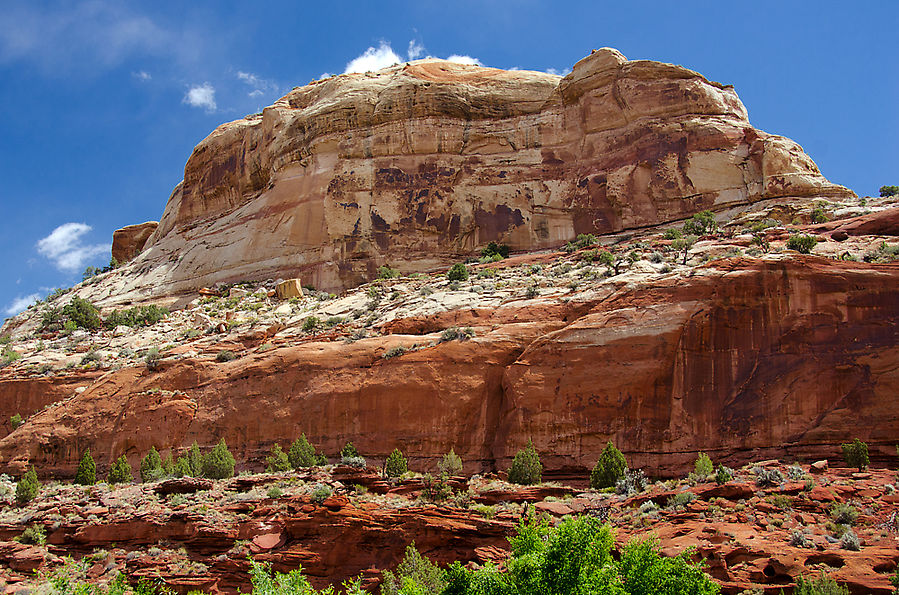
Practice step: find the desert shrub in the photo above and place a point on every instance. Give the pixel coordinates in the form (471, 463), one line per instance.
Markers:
(435, 489)
(798, 538)
(703, 466)
(120, 471)
(385, 272)
(87, 470)
(702, 223)
(843, 513)
(90, 357)
(802, 243)
(395, 464)
(680, 500)
(457, 272)
(311, 323)
(453, 333)
(493, 249)
(225, 355)
(609, 468)
(526, 468)
(856, 454)
(584, 240)
(849, 541)
(683, 245)
(672, 234)
(195, 458)
(33, 535)
(28, 487)
(781, 501)
(767, 478)
(414, 569)
(277, 461)
(151, 466)
(394, 352)
(15, 421)
(795, 473)
(152, 358)
(137, 316)
(348, 450)
(274, 492)
(823, 585)
(889, 191)
(723, 475)
(819, 216)
(357, 462)
(632, 483)
(218, 463)
(451, 464)
(83, 313)
(301, 453)
(320, 493)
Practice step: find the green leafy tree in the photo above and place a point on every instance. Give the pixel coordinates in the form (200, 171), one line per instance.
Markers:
(684, 245)
(151, 466)
(277, 461)
(120, 472)
(451, 464)
(301, 453)
(28, 487)
(609, 468)
(87, 470)
(218, 463)
(702, 223)
(889, 191)
(415, 575)
(703, 467)
(526, 468)
(396, 464)
(457, 272)
(856, 454)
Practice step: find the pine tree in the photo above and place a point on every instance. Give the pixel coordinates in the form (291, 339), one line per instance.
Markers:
(451, 463)
(277, 461)
(218, 463)
(196, 460)
(396, 464)
(182, 467)
(526, 468)
(609, 468)
(87, 470)
(301, 454)
(168, 465)
(120, 472)
(28, 487)
(151, 466)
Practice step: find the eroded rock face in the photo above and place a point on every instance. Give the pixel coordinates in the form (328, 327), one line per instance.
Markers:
(743, 358)
(418, 164)
(129, 241)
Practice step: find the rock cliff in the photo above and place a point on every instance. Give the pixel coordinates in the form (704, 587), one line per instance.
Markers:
(417, 164)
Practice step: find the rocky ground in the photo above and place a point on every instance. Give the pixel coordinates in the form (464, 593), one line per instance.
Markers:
(757, 531)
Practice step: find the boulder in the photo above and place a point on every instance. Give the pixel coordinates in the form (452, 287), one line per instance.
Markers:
(288, 289)
(128, 241)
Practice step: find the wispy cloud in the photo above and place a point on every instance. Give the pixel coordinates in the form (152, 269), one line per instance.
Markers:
(20, 303)
(260, 86)
(464, 60)
(142, 75)
(415, 51)
(373, 59)
(558, 72)
(201, 96)
(66, 249)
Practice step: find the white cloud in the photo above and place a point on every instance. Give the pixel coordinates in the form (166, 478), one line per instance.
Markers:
(416, 50)
(558, 72)
(373, 59)
(143, 75)
(464, 60)
(20, 303)
(201, 96)
(64, 246)
(260, 85)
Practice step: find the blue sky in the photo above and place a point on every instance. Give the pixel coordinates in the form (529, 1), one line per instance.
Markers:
(104, 100)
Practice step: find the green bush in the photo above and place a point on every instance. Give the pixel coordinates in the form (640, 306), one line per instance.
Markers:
(802, 243)
(889, 191)
(451, 464)
(151, 466)
(15, 421)
(320, 493)
(120, 472)
(152, 358)
(348, 451)
(493, 249)
(672, 234)
(87, 470)
(385, 272)
(83, 313)
(225, 356)
(301, 453)
(414, 570)
(277, 461)
(703, 467)
(843, 513)
(33, 535)
(28, 487)
(723, 475)
(856, 454)
(457, 272)
(823, 585)
(702, 223)
(182, 467)
(394, 352)
(195, 458)
(608, 469)
(395, 465)
(137, 316)
(819, 216)
(218, 463)
(526, 468)
(311, 323)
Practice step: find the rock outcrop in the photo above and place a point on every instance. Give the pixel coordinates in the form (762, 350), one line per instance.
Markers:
(418, 164)
(129, 241)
